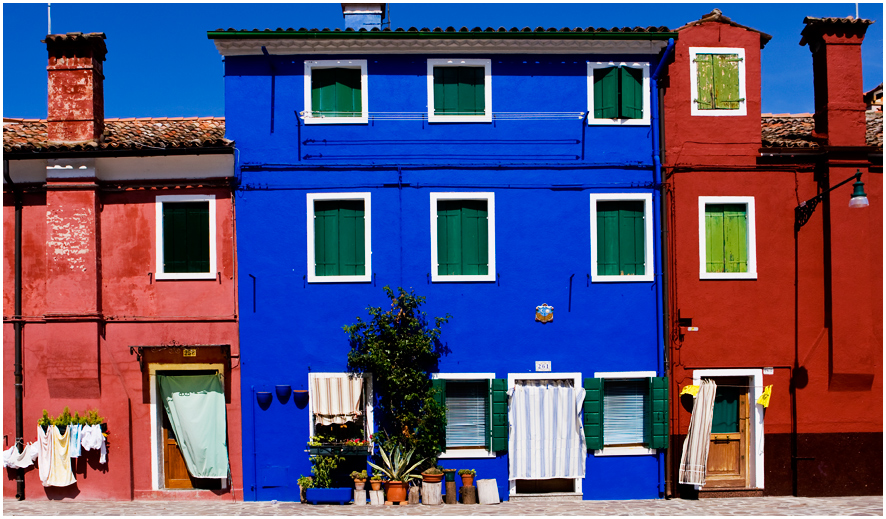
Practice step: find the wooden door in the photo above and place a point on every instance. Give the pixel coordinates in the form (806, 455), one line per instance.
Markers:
(728, 455)
(175, 472)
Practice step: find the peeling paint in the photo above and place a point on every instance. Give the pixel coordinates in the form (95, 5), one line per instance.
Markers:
(70, 237)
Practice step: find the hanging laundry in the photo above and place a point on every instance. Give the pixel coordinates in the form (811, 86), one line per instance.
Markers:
(689, 390)
(14, 459)
(91, 437)
(44, 457)
(75, 440)
(764, 398)
(8, 456)
(60, 473)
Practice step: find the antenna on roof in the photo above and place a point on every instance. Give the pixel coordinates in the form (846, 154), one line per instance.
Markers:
(856, 10)
(48, 20)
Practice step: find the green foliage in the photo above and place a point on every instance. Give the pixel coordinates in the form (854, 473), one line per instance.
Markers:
(377, 477)
(63, 419)
(401, 349)
(433, 471)
(46, 420)
(305, 481)
(467, 472)
(397, 466)
(359, 475)
(93, 418)
(323, 467)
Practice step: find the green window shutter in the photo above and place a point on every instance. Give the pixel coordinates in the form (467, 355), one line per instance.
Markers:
(459, 90)
(630, 93)
(606, 93)
(656, 433)
(339, 238)
(185, 237)
(593, 413)
(607, 239)
(499, 415)
(735, 236)
(705, 71)
(336, 92)
(489, 414)
(462, 237)
(726, 410)
(725, 74)
(439, 387)
(714, 239)
(621, 243)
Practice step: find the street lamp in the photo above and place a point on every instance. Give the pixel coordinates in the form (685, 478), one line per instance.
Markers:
(859, 199)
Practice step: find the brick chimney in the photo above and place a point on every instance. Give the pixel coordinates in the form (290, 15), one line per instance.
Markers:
(363, 16)
(76, 107)
(836, 68)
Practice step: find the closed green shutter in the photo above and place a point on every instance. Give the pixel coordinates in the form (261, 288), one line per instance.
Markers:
(499, 415)
(714, 241)
(726, 238)
(656, 432)
(459, 90)
(621, 243)
(339, 238)
(725, 74)
(631, 93)
(593, 413)
(185, 237)
(439, 387)
(462, 237)
(705, 71)
(336, 92)
(606, 93)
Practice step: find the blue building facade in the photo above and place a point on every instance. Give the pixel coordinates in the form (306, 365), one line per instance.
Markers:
(489, 171)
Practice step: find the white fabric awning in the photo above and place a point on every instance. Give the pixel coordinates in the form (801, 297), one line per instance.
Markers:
(336, 400)
(694, 461)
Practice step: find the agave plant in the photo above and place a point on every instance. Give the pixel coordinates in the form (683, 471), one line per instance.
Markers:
(396, 465)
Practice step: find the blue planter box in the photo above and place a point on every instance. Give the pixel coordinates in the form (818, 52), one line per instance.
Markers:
(328, 495)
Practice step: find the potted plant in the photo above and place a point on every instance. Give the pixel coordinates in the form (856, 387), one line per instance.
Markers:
(376, 481)
(467, 476)
(323, 468)
(432, 475)
(449, 474)
(359, 479)
(304, 483)
(398, 471)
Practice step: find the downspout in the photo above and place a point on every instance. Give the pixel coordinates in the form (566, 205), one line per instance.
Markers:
(19, 414)
(661, 286)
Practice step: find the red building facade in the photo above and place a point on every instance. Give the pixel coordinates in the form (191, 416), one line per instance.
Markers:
(102, 311)
(757, 299)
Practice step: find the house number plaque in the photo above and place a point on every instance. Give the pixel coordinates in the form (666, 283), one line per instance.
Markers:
(189, 352)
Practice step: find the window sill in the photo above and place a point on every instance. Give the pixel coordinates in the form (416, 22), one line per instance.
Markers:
(162, 276)
(436, 278)
(727, 275)
(487, 118)
(466, 454)
(721, 112)
(622, 279)
(624, 451)
(339, 279)
(364, 119)
(618, 122)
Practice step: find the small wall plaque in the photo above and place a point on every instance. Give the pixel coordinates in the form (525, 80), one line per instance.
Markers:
(542, 365)
(544, 313)
(189, 352)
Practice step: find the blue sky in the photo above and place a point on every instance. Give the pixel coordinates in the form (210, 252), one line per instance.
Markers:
(161, 64)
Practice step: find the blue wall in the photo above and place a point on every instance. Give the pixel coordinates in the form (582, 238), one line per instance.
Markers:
(541, 172)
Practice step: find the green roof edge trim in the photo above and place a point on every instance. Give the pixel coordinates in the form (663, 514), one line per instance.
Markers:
(461, 35)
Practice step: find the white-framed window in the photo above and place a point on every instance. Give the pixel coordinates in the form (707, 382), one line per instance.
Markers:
(467, 397)
(185, 237)
(336, 91)
(727, 243)
(618, 93)
(717, 81)
(339, 237)
(621, 237)
(625, 409)
(459, 90)
(340, 406)
(462, 236)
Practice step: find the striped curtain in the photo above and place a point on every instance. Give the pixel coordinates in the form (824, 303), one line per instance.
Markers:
(694, 461)
(546, 437)
(336, 400)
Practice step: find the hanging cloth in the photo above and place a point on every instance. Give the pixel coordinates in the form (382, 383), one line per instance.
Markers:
(75, 440)
(60, 474)
(546, 437)
(195, 405)
(91, 438)
(694, 461)
(336, 400)
(44, 453)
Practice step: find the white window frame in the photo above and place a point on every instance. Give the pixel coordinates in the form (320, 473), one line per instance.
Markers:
(468, 453)
(693, 77)
(755, 381)
(159, 268)
(487, 109)
(368, 421)
(490, 216)
(623, 451)
(367, 231)
(747, 201)
(310, 65)
(649, 274)
(594, 66)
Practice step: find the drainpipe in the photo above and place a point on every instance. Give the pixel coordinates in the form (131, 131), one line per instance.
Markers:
(661, 286)
(19, 418)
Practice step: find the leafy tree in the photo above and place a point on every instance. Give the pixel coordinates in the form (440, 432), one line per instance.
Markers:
(401, 349)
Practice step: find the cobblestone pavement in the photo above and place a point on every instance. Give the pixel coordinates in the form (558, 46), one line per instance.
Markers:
(767, 506)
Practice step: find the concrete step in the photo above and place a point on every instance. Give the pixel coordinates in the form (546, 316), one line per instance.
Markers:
(547, 496)
(707, 493)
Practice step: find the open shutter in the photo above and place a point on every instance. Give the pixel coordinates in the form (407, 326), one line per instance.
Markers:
(714, 240)
(593, 413)
(631, 90)
(656, 431)
(725, 74)
(705, 94)
(439, 387)
(499, 415)
(735, 236)
(606, 93)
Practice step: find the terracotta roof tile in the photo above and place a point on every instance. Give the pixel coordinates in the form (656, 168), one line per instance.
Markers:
(450, 29)
(30, 135)
(795, 131)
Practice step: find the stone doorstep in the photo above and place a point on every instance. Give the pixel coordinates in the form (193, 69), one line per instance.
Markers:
(547, 496)
(729, 492)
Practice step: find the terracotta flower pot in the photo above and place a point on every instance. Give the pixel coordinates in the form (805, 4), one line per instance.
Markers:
(359, 484)
(432, 478)
(467, 480)
(395, 491)
(375, 484)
